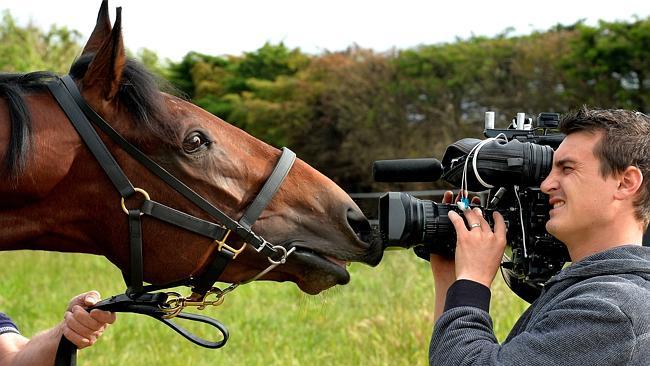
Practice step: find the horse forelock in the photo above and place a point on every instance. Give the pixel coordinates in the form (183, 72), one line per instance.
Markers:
(140, 93)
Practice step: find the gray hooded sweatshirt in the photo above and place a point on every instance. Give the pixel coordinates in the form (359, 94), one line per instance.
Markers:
(594, 312)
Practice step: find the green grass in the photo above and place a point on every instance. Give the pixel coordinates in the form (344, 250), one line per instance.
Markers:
(383, 317)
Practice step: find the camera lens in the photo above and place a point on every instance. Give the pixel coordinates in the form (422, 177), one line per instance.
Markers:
(405, 221)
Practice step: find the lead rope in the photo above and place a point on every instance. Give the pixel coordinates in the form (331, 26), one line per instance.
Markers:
(176, 302)
(164, 306)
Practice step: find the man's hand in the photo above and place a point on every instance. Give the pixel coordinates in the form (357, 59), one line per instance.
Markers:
(478, 250)
(81, 327)
(444, 269)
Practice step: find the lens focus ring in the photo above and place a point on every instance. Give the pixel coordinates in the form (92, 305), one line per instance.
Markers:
(429, 222)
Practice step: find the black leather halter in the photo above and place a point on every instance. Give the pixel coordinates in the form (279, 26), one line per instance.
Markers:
(136, 298)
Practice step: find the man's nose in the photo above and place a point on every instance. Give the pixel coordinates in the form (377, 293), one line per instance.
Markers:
(549, 183)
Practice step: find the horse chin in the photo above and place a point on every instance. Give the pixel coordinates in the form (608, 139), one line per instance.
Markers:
(318, 273)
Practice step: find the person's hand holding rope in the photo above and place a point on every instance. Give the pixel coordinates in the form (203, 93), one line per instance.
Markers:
(81, 327)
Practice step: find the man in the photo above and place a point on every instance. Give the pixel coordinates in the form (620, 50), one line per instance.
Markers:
(79, 326)
(595, 311)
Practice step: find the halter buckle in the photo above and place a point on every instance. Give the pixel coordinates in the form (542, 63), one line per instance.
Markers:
(222, 244)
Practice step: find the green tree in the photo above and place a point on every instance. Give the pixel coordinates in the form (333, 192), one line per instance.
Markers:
(271, 61)
(609, 65)
(150, 59)
(258, 91)
(29, 48)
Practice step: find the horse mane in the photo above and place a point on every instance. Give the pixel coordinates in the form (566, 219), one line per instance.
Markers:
(12, 88)
(140, 93)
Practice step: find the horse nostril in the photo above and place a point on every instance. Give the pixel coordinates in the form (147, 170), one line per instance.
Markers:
(359, 224)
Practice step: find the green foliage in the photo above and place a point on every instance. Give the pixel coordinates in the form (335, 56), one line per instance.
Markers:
(150, 59)
(258, 91)
(340, 111)
(29, 48)
(609, 65)
(271, 61)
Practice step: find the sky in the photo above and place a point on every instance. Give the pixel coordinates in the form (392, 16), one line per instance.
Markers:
(218, 27)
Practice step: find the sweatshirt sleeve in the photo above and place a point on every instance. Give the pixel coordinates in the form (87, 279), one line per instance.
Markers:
(576, 331)
(7, 325)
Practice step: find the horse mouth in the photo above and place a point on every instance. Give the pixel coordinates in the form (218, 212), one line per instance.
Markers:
(318, 272)
(314, 269)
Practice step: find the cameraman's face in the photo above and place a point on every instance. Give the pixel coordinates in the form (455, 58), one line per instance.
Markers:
(578, 193)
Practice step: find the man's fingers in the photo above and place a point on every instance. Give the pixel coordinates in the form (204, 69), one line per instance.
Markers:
(91, 298)
(76, 326)
(472, 218)
(76, 339)
(85, 319)
(81, 327)
(499, 226)
(457, 221)
(447, 197)
(102, 316)
(84, 300)
(485, 226)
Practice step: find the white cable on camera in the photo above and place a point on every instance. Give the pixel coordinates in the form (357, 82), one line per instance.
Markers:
(521, 220)
(475, 150)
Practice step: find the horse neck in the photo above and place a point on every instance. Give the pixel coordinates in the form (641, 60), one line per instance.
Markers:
(39, 210)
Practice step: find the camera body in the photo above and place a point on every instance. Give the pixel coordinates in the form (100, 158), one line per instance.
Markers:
(507, 168)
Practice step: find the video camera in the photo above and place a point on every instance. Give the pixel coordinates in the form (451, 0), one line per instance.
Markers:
(507, 168)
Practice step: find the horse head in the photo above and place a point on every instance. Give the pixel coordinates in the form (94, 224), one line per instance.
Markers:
(63, 201)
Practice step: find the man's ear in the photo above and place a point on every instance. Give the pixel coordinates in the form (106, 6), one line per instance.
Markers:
(629, 183)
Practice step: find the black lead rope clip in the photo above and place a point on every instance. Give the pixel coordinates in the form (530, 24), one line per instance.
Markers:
(150, 304)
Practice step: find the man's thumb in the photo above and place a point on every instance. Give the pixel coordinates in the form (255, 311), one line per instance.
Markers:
(91, 298)
(84, 300)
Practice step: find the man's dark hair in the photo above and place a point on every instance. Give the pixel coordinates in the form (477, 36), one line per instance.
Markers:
(625, 142)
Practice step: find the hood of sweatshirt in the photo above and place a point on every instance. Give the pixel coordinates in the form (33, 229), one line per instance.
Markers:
(627, 259)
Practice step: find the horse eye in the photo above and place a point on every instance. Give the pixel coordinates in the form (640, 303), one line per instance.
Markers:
(195, 142)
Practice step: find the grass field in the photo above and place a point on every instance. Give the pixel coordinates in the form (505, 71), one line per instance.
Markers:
(383, 317)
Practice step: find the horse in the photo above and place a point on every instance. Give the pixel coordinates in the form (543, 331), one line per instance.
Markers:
(54, 196)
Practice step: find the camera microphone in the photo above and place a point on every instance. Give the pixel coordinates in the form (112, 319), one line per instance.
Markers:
(407, 170)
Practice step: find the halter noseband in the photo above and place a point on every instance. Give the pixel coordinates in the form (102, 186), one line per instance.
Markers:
(83, 117)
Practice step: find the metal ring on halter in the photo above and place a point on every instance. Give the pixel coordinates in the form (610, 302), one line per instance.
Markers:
(284, 255)
(139, 190)
(474, 225)
(271, 267)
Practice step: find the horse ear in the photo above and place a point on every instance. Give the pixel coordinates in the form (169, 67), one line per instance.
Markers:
(105, 71)
(102, 30)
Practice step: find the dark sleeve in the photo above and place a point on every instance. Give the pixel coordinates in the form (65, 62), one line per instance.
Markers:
(577, 331)
(468, 293)
(7, 325)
